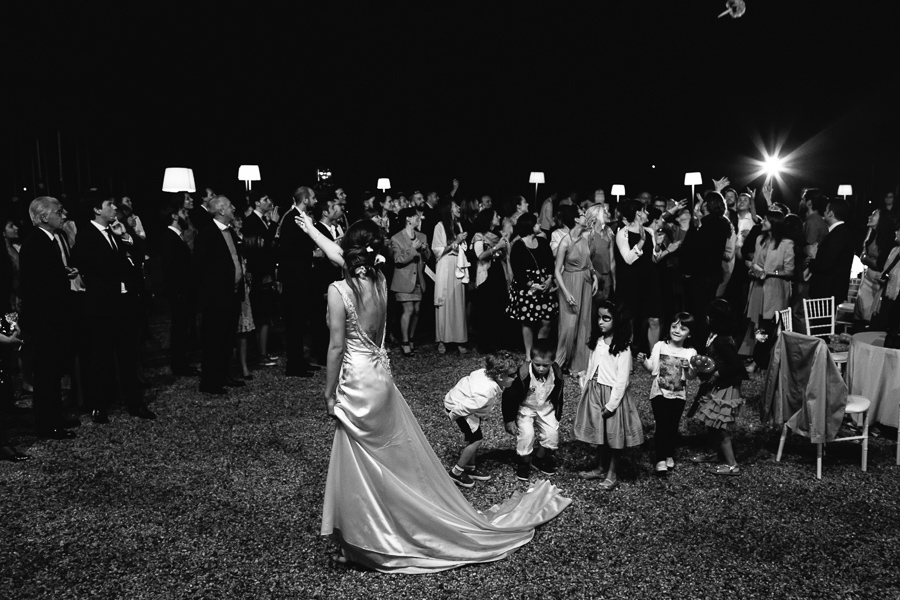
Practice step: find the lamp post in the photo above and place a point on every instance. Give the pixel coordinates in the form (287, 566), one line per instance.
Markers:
(537, 178)
(384, 184)
(248, 174)
(617, 190)
(692, 179)
(179, 179)
(845, 190)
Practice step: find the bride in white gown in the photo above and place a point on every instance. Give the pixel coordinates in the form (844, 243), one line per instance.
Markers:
(389, 502)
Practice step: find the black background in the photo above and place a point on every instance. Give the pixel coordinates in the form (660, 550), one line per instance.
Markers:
(591, 97)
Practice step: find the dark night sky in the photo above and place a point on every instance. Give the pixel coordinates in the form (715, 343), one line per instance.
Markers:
(591, 96)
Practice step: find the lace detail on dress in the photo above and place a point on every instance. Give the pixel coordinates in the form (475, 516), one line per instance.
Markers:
(380, 352)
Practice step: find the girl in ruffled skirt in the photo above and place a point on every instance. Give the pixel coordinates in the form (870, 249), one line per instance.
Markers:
(606, 415)
(719, 396)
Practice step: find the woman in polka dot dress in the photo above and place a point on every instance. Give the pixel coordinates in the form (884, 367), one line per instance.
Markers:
(532, 295)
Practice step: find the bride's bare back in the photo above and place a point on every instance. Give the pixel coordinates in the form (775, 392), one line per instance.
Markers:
(371, 308)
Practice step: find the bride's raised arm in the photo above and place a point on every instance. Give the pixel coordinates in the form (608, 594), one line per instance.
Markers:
(334, 252)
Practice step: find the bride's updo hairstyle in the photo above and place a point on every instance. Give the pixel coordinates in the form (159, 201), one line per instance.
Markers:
(362, 245)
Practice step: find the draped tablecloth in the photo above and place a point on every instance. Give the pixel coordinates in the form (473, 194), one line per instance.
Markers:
(873, 371)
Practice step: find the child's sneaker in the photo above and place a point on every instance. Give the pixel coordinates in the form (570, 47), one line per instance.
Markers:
(462, 479)
(523, 471)
(670, 463)
(661, 469)
(473, 473)
(546, 465)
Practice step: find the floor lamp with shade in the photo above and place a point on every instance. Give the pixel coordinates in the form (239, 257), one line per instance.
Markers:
(537, 178)
(248, 174)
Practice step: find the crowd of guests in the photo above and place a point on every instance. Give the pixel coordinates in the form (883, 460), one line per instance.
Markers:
(484, 276)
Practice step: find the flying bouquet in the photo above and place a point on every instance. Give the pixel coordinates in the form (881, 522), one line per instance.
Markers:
(735, 8)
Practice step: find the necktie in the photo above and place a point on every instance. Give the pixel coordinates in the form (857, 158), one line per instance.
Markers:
(109, 236)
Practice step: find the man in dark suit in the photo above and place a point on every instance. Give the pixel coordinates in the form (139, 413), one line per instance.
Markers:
(830, 269)
(259, 236)
(175, 259)
(220, 278)
(295, 274)
(110, 309)
(45, 289)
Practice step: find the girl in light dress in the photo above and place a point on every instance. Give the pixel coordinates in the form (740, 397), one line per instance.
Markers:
(606, 415)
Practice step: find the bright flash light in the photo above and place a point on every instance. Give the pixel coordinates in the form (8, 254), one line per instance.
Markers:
(773, 165)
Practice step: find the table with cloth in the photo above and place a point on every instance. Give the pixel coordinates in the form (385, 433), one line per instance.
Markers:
(873, 372)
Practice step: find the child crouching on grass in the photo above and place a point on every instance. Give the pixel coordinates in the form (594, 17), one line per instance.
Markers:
(471, 400)
(535, 401)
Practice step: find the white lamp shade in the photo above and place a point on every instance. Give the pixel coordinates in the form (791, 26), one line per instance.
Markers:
(536, 177)
(248, 173)
(845, 190)
(693, 179)
(384, 183)
(179, 179)
(617, 190)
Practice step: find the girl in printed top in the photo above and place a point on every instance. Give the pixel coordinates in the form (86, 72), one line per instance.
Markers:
(719, 396)
(669, 363)
(605, 414)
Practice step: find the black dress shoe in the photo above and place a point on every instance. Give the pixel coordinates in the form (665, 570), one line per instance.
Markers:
(213, 389)
(186, 372)
(311, 367)
(248, 378)
(297, 373)
(234, 383)
(100, 417)
(142, 412)
(56, 434)
(10, 454)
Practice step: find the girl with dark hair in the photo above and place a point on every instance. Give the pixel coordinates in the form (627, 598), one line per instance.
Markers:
(389, 504)
(719, 397)
(448, 243)
(532, 300)
(605, 415)
(771, 272)
(669, 363)
(490, 292)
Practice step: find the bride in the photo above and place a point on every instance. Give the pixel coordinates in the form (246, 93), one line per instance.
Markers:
(389, 503)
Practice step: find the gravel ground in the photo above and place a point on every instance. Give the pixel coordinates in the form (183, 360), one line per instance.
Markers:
(222, 497)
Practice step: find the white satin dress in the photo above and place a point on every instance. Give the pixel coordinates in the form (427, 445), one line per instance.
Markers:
(389, 501)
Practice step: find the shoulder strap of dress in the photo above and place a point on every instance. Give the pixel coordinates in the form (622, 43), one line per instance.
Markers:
(348, 302)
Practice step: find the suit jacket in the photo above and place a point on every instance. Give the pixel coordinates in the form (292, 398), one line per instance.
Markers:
(213, 268)
(175, 260)
(259, 250)
(295, 250)
(103, 270)
(515, 394)
(44, 284)
(830, 269)
(706, 246)
(409, 265)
